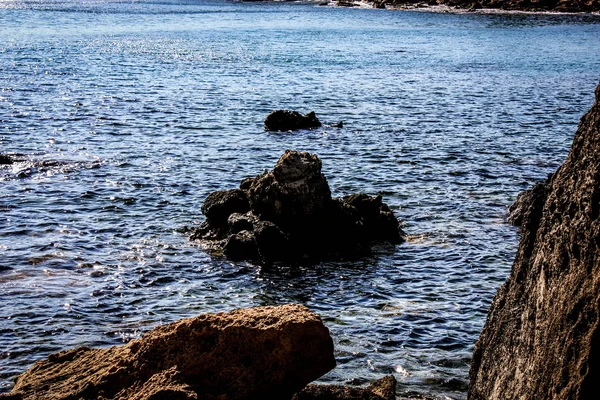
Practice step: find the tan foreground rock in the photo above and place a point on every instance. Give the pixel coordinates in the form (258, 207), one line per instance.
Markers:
(542, 336)
(263, 352)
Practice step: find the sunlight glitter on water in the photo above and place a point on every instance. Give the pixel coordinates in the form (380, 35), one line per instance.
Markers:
(127, 114)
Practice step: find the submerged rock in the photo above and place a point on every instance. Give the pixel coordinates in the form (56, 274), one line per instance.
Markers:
(542, 334)
(292, 217)
(285, 120)
(382, 389)
(263, 352)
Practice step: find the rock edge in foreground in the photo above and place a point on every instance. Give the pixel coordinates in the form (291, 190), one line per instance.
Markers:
(262, 352)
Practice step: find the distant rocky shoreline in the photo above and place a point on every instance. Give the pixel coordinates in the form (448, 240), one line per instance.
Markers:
(530, 6)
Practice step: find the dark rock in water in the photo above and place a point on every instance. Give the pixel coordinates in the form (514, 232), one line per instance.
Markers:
(241, 246)
(377, 219)
(237, 222)
(346, 4)
(271, 242)
(293, 193)
(382, 389)
(256, 353)
(218, 206)
(285, 120)
(542, 335)
(292, 216)
(529, 202)
(5, 160)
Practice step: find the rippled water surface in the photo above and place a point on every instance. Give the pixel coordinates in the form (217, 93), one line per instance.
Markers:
(124, 115)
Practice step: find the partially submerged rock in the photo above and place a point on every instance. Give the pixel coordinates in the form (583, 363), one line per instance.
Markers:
(263, 352)
(286, 120)
(288, 214)
(382, 389)
(542, 335)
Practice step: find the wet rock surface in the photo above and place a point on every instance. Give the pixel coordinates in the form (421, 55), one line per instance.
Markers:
(286, 120)
(382, 389)
(263, 352)
(542, 335)
(293, 217)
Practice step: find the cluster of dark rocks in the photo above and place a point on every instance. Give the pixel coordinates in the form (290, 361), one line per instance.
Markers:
(288, 214)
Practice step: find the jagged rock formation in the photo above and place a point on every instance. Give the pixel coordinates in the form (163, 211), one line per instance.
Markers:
(263, 352)
(288, 214)
(285, 120)
(542, 336)
(382, 389)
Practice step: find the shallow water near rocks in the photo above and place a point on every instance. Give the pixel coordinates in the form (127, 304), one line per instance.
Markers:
(124, 115)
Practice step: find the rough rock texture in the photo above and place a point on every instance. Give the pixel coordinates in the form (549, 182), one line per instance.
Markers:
(292, 217)
(285, 120)
(263, 352)
(542, 336)
(382, 389)
(513, 5)
(529, 201)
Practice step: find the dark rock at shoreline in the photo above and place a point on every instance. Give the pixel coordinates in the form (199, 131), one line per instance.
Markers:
(293, 217)
(528, 202)
(382, 389)
(542, 334)
(263, 352)
(285, 120)
(5, 160)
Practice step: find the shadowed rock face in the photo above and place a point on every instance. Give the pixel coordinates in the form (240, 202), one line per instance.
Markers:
(542, 337)
(285, 120)
(288, 214)
(263, 352)
(382, 389)
(530, 201)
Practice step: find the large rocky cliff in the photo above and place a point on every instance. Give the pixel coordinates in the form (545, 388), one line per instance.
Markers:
(542, 337)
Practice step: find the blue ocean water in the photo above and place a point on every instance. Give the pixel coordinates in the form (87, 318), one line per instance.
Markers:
(126, 114)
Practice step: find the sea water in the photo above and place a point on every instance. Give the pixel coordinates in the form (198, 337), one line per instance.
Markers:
(125, 115)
